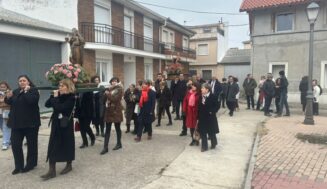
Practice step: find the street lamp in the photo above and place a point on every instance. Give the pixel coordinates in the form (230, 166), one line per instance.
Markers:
(312, 13)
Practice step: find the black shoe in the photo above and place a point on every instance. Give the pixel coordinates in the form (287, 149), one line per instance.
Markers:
(16, 171)
(192, 143)
(158, 125)
(83, 146)
(183, 133)
(117, 147)
(127, 131)
(204, 149)
(67, 169)
(92, 142)
(197, 143)
(213, 147)
(287, 114)
(231, 114)
(104, 151)
(27, 169)
(169, 124)
(268, 115)
(278, 115)
(177, 118)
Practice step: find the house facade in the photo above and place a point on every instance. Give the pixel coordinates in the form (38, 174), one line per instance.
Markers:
(127, 40)
(280, 41)
(211, 44)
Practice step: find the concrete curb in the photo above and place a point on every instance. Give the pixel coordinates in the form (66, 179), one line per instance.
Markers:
(248, 179)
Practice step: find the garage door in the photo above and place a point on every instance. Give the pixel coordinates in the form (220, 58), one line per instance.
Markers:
(239, 71)
(33, 57)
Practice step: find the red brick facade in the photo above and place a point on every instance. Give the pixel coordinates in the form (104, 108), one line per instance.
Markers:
(139, 68)
(85, 12)
(139, 30)
(118, 66)
(156, 65)
(89, 62)
(117, 17)
(178, 39)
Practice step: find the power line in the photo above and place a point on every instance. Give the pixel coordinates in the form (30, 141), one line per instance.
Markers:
(189, 10)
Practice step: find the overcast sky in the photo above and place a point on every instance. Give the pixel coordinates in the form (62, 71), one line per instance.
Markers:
(236, 34)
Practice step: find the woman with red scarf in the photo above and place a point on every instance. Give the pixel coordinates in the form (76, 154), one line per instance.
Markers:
(190, 109)
(146, 116)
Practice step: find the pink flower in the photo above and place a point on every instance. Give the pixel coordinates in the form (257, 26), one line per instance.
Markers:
(51, 68)
(76, 74)
(55, 72)
(69, 75)
(60, 69)
(78, 70)
(75, 80)
(64, 71)
(70, 67)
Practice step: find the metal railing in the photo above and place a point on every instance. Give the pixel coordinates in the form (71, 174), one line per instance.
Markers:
(106, 34)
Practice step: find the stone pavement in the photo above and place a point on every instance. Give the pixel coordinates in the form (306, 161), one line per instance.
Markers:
(167, 161)
(285, 162)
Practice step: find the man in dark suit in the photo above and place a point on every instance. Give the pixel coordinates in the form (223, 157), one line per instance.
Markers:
(179, 92)
(233, 89)
(216, 87)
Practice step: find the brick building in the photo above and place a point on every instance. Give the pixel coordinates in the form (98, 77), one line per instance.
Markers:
(127, 40)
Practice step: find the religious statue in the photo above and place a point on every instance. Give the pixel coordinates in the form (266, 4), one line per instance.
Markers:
(77, 47)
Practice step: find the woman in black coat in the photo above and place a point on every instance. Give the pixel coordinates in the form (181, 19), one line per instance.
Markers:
(84, 113)
(164, 99)
(61, 146)
(208, 124)
(233, 89)
(24, 120)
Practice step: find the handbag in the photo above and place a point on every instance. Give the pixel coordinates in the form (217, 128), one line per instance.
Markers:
(64, 120)
(77, 126)
(197, 135)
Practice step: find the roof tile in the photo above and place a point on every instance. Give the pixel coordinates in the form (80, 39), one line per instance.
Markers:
(250, 5)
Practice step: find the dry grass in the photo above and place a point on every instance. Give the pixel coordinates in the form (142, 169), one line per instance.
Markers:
(312, 138)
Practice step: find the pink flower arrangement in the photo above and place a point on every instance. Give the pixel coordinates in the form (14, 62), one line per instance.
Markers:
(67, 70)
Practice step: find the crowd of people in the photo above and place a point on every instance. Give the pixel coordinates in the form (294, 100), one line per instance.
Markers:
(194, 101)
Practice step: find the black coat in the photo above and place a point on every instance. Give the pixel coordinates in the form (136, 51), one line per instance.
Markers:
(283, 84)
(217, 88)
(269, 88)
(179, 90)
(233, 89)
(24, 111)
(61, 146)
(303, 87)
(208, 122)
(164, 97)
(99, 107)
(146, 115)
(84, 106)
(249, 86)
(224, 88)
(131, 100)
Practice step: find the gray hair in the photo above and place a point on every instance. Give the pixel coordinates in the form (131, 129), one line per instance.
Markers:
(207, 86)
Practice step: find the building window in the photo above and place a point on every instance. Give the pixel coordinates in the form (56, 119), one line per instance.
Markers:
(185, 43)
(284, 22)
(148, 69)
(206, 30)
(275, 67)
(168, 37)
(148, 34)
(203, 49)
(206, 74)
(102, 69)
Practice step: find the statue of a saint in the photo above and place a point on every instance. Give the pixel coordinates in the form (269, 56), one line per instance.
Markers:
(77, 47)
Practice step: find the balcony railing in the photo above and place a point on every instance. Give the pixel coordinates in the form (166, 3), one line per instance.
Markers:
(102, 33)
(106, 34)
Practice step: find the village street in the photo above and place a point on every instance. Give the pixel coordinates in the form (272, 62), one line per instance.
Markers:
(167, 161)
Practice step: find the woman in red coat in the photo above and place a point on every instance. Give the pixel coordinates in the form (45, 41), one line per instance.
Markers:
(190, 109)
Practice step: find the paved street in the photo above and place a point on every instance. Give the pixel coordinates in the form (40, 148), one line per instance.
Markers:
(165, 162)
(285, 162)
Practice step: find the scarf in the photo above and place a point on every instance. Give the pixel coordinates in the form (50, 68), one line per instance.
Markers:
(144, 97)
(191, 100)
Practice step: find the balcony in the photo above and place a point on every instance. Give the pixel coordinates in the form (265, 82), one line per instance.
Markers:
(106, 34)
(171, 49)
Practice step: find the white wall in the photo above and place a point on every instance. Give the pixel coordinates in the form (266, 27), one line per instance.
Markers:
(52, 11)
(222, 43)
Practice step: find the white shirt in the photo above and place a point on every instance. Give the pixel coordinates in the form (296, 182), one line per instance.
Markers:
(316, 93)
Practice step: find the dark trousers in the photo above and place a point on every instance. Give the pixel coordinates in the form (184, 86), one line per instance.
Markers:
(315, 108)
(223, 100)
(231, 106)
(204, 140)
(178, 106)
(283, 101)
(268, 100)
(184, 128)
(277, 101)
(100, 126)
(161, 110)
(250, 101)
(192, 130)
(108, 131)
(147, 126)
(17, 137)
(85, 128)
